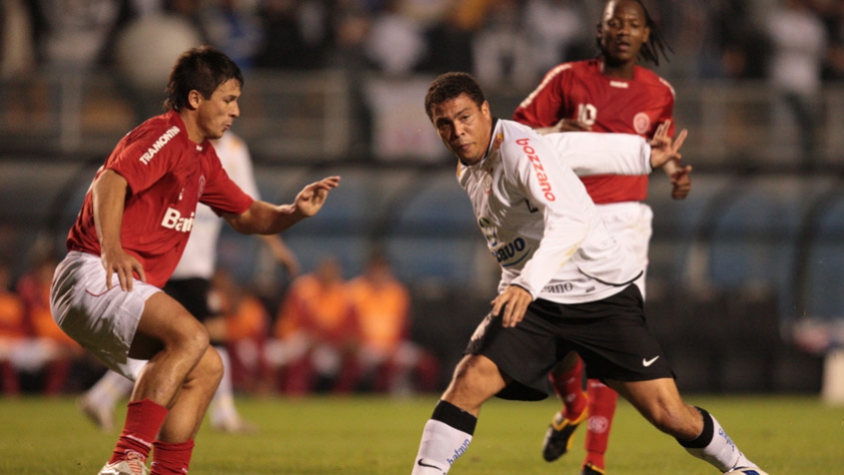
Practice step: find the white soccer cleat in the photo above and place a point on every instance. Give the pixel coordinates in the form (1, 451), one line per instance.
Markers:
(102, 417)
(746, 471)
(133, 465)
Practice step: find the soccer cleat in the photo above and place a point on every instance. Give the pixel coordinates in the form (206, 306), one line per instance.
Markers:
(102, 417)
(558, 439)
(590, 469)
(235, 426)
(133, 465)
(745, 471)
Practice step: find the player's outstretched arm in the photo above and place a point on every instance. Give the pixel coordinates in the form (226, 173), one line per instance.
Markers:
(109, 194)
(266, 218)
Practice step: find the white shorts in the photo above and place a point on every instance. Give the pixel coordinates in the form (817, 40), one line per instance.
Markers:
(102, 321)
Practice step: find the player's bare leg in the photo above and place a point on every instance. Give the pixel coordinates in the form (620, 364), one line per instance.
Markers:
(182, 371)
(695, 429)
(449, 431)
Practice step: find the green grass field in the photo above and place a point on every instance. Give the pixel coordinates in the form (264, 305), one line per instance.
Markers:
(370, 435)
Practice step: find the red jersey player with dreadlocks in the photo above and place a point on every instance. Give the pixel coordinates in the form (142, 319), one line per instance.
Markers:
(611, 93)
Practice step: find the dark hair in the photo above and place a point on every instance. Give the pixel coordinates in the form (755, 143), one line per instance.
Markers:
(656, 45)
(202, 69)
(450, 85)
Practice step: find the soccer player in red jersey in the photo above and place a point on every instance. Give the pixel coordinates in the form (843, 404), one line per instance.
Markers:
(128, 238)
(609, 94)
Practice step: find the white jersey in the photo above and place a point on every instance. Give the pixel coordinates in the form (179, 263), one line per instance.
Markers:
(537, 218)
(200, 256)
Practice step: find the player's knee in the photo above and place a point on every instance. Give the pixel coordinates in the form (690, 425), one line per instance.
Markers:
(210, 367)
(192, 336)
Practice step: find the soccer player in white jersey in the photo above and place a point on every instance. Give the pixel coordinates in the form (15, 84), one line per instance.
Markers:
(566, 284)
(190, 285)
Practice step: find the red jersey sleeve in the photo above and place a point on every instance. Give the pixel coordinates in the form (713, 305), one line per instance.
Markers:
(145, 155)
(547, 104)
(221, 193)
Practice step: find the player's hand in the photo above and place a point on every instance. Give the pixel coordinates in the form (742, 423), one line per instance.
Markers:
(514, 300)
(572, 125)
(663, 147)
(681, 182)
(312, 197)
(117, 261)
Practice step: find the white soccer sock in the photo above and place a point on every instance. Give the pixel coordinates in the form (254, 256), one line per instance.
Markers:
(715, 446)
(109, 389)
(442, 443)
(222, 405)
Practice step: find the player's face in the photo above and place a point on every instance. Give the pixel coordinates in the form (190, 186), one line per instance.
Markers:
(622, 31)
(217, 113)
(464, 127)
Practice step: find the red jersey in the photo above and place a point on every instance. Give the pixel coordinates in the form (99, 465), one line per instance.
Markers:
(167, 176)
(579, 90)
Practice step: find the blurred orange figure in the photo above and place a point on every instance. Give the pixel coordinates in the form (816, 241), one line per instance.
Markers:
(13, 331)
(244, 326)
(381, 316)
(314, 333)
(51, 349)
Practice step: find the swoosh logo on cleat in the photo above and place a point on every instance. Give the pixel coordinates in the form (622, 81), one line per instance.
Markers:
(649, 362)
(422, 464)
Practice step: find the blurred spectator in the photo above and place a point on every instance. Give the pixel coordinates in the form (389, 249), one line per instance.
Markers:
(296, 34)
(350, 27)
(450, 40)
(243, 324)
(72, 35)
(13, 331)
(16, 52)
(51, 349)
(381, 312)
(314, 342)
(503, 55)
(742, 45)
(147, 47)
(395, 43)
(799, 43)
(832, 12)
(233, 26)
(555, 27)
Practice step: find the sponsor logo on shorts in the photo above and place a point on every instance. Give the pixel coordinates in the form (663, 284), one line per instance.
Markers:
(159, 144)
(649, 362)
(173, 219)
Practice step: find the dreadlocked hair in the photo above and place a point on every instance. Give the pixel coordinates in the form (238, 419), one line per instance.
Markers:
(656, 45)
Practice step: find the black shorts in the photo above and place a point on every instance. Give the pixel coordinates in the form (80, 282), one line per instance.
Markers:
(610, 335)
(192, 294)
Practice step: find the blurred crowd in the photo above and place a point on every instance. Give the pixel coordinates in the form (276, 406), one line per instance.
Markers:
(328, 335)
(502, 42)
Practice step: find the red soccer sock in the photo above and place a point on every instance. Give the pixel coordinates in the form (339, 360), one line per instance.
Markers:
(171, 458)
(569, 387)
(602, 402)
(143, 420)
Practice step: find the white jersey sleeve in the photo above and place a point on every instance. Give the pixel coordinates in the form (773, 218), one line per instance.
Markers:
(591, 153)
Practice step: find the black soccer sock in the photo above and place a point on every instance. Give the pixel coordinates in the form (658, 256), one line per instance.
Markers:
(451, 415)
